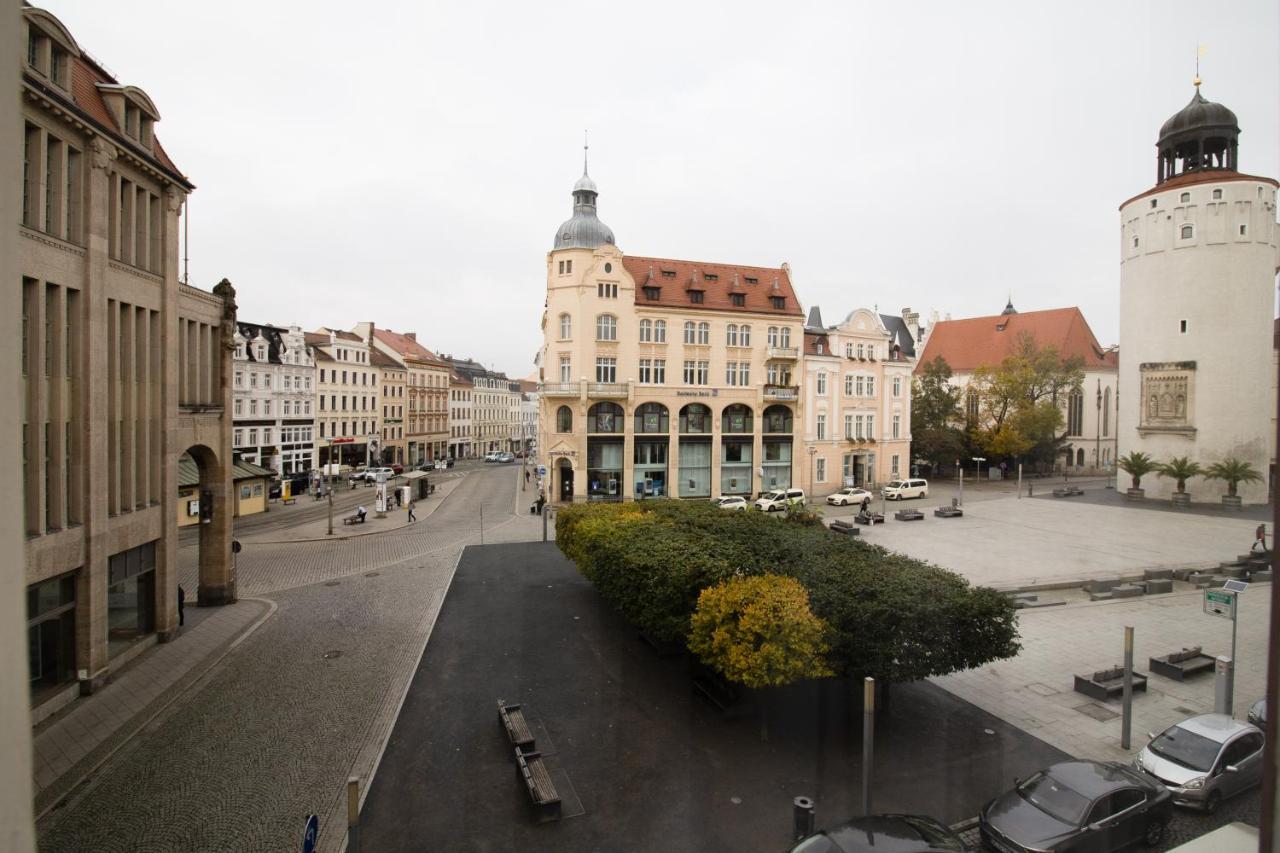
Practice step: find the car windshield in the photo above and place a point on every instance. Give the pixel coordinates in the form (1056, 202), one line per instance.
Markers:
(1186, 748)
(896, 484)
(1054, 798)
(773, 496)
(935, 835)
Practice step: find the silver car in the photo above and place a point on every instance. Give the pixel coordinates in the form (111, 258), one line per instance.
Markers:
(1203, 760)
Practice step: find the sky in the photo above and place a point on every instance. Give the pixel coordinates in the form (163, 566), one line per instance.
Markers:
(407, 163)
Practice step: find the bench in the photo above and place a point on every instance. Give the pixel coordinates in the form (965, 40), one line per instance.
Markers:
(354, 519)
(517, 729)
(1178, 665)
(1105, 684)
(948, 512)
(909, 515)
(873, 518)
(840, 525)
(532, 771)
(1067, 492)
(287, 501)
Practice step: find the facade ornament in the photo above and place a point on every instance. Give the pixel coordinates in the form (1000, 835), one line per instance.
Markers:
(227, 293)
(103, 153)
(174, 198)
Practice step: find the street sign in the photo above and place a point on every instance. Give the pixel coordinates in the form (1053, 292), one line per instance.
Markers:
(310, 834)
(542, 470)
(1220, 602)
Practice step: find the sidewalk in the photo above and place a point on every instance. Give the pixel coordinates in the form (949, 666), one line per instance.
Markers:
(77, 741)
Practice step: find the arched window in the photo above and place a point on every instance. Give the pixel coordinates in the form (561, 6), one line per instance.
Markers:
(1075, 413)
(652, 417)
(736, 418)
(1187, 232)
(1106, 413)
(564, 419)
(744, 335)
(606, 327)
(605, 417)
(689, 334)
(777, 419)
(771, 335)
(659, 331)
(566, 327)
(646, 331)
(1080, 458)
(695, 418)
(731, 335)
(704, 333)
(784, 337)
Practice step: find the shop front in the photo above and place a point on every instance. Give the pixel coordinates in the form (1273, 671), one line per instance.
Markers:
(652, 440)
(695, 451)
(605, 451)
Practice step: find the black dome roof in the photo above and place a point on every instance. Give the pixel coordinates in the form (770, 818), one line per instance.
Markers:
(1199, 114)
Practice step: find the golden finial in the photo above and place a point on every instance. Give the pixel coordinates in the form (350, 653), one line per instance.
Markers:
(1199, 53)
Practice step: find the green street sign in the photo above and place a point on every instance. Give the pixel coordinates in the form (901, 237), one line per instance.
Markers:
(1219, 602)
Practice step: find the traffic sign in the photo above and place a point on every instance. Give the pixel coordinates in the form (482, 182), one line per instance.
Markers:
(542, 470)
(1220, 602)
(310, 834)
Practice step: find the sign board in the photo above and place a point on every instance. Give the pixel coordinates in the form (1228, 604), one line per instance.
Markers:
(1220, 602)
(310, 834)
(542, 470)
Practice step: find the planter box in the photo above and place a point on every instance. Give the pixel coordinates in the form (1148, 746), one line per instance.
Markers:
(1182, 499)
(1232, 502)
(1134, 494)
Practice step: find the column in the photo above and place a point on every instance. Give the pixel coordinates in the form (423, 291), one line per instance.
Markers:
(56, 407)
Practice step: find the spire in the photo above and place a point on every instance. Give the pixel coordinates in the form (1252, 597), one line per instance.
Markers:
(1199, 53)
(1008, 307)
(585, 146)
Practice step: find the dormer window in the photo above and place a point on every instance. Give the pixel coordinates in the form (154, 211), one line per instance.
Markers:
(695, 297)
(132, 121)
(752, 280)
(778, 301)
(738, 300)
(668, 273)
(652, 293)
(711, 276)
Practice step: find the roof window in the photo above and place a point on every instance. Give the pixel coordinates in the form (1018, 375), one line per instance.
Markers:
(752, 280)
(668, 273)
(711, 276)
(739, 300)
(778, 301)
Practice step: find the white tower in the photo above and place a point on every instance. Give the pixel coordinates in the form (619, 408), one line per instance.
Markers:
(1198, 262)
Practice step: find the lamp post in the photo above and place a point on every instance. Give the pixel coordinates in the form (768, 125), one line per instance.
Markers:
(978, 475)
(1097, 433)
(813, 452)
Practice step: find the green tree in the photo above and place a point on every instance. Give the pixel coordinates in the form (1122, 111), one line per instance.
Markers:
(1233, 472)
(1179, 469)
(935, 415)
(759, 631)
(1137, 465)
(1019, 408)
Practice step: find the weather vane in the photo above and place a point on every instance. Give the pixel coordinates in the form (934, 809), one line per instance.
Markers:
(1199, 53)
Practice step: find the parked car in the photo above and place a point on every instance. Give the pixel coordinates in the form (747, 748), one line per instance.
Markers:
(850, 495)
(397, 467)
(1077, 806)
(1258, 713)
(492, 456)
(1203, 760)
(371, 474)
(890, 832)
(735, 502)
(505, 457)
(778, 499)
(898, 490)
(274, 489)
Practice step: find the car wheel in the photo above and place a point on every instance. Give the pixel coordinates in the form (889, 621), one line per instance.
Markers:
(1212, 802)
(1154, 834)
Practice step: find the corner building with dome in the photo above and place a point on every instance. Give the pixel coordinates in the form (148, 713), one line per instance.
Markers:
(1198, 263)
(662, 377)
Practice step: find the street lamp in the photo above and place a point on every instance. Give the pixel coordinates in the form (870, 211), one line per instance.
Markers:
(813, 451)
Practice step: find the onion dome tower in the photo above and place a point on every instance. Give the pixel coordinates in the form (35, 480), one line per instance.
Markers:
(583, 230)
(1202, 135)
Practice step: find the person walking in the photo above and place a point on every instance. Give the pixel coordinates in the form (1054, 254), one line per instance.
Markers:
(182, 600)
(526, 476)
(412, 517)
(1259, 539)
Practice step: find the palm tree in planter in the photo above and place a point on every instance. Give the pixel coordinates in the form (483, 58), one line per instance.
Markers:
(1180, 469)
(1137, 465)
(1233, 472)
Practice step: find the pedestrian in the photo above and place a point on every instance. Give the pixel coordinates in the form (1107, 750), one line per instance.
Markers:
(542, 499)
(412, 517)
(866, 506)
(526, 476)
(182, 601)
(1259, 539)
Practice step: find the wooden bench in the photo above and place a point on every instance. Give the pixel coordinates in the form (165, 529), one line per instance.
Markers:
(840, 525)
(948, 512)
(517, 729)
(532, 771)
(1178, 665)
(909, 515)
(354, 519)
(1106, 684)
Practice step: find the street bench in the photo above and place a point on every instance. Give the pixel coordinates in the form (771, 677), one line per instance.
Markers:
(1105, 684)
(287, 501)
(1178, 665)
(517, 729)
(948, 512)
(873, 518)
(844, 527)
(354, 519)
(909, 515)
(1067, 492)
(532, 771)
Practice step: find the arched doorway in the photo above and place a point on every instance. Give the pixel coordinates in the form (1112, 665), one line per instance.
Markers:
(695, 451)
(564, 479)
(737, 438)
(215, 574)
(777, 447)
(652, 431)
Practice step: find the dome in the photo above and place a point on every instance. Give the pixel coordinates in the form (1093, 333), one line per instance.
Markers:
(585, 183)
(583, 230)
(1199, 115)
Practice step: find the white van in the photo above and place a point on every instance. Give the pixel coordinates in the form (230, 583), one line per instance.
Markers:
(779, 498)
(899, 489)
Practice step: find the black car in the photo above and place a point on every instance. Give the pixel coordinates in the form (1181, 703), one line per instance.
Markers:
(886, 833)
(274, 489)
(1085, 806)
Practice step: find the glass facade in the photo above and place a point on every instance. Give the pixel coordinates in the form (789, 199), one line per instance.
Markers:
(131, 596)
(604, 468)
(735, 466)
(51, 632)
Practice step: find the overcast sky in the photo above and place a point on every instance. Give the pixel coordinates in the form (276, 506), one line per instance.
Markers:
(408, 163)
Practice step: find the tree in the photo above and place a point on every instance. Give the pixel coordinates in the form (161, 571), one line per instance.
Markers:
(759, 631)
(935, 413)
(1179, 469)
(1233, 472)
(1137, 465)
(1019, 410)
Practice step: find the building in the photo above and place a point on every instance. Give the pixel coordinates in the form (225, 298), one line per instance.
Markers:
(528, 414)
(251, 486)
(664, 377)
(495, 406)
(1198, 260)
(1089, 415)
(125, 369)
(346, 410)
(427, 391)
(391, 399)
(857, 399)
(274, 395)
(462, 443)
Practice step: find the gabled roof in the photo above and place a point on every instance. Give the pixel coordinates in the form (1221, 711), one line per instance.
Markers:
(407, 346)
(676, 278)
(899, 334)
(813, 339)
(969, 344)
(378, 358)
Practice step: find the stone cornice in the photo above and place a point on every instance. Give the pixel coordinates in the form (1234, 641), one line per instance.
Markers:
(135, 271)
(62, 245)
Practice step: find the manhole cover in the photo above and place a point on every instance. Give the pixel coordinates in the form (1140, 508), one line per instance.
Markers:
(1041, 689)
(332, 583)
(371, 574)
(330, 655)
(1099, 713)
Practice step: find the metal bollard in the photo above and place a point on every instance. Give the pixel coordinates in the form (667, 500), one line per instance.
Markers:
(802, 817)
(353, 815)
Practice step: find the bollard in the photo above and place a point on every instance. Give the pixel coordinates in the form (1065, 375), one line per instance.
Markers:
(1224, 683)
(868, 739)
(353, 815)
(802, 817)
(1126, 720)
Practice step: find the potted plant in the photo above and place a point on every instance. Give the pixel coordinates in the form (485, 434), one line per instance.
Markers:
(1233, 472)
(1137, 465)
(1180, 469)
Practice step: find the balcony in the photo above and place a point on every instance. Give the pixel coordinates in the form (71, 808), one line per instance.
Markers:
(859, 439)
(784, 353)
(789, 393)
(608, 390)
(560, 389)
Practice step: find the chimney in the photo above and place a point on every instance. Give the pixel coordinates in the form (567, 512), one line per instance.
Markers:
(413, 336)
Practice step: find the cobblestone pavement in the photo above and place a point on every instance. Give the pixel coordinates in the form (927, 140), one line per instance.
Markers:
(274, 730)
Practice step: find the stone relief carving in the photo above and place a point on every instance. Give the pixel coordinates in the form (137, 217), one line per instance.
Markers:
(227, 293)
(1166, 395)
(103, 153)
(173, 198)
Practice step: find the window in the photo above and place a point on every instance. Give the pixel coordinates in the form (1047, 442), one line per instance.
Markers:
(659, 331)
(1075, 413)
(606, 327)
(897, 426)
(1244, 230)
(893, 465)
(652, 293)
(704, 333)
(778, 301)
(239, 437)
(871, 386)
(646, 331)
(897, 386)
(848, 426)
(820, 470)
(253, 407)
(858, 386)
(731, 373)
(738, 300)
(659, 371)
(784, 337)
(771, 336)
(689, 332)
(239, 380)
(1184, 198)
(564, 419)
(744, 335)
(253, 436)
(1106, 413)
(652, 417)
(848, 385)
(1135, 241)
(1182, 326)
(646, 371)
(607, 290)
(689, 371)
(566, 327)
(1217, 194)
(1187, 232)
(704, 372)
(822, 383)
(695, 297)
(744, 373)
(565, 372)
(606, 370)
(871, 430)
(822, 426)
(860, 351)
(239, 407)
(731, 335)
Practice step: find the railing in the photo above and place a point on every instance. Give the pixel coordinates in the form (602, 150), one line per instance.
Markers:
(560, 389)
(608, 390)
(791, 353)
(782, 392)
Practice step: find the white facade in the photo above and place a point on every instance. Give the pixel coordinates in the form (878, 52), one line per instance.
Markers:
(1197, 277)
(274, 388)
(461, 435)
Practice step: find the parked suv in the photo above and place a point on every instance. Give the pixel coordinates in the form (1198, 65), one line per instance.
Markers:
(778, 499)
(900, 489)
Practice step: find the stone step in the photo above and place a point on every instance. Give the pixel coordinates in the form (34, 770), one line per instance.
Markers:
(1127, 590)
(1101, 584)
(1155, 586)
(1045, 602)
(1155, 574)
(1260, 576)
(1232, 565)
(1101, 596)
(1233, 571)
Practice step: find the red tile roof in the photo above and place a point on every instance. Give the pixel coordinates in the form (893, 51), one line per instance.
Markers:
(676, 278)
(1210, 176)
(970, 344)
(407, 346)
(378, 358)
(811, 341)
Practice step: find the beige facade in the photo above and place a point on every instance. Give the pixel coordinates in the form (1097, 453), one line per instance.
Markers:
(462, 443)
(391, 401)
(124, 370)
(426, 410)
(857, 403)
(347, 407)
